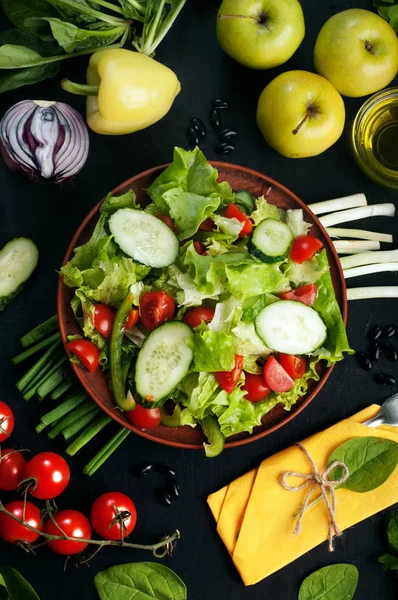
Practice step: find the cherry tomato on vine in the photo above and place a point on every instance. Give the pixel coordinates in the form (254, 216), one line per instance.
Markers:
(304, 247)
(48, 474)
(86, 352)
(13, 532)
(228, 379)
(12, 468)
(144, 418)
(74, 524)
(103, 319)
(156, 308)
(104, 516)
(132, 318)
(276, 377)
(199, 247)
(169, 221)
(195, 316)
(6, 421)
(295, 366)
(256, 387)
(305, 294)
(233, 212)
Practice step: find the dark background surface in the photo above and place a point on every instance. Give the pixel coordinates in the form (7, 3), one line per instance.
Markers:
(50, 215)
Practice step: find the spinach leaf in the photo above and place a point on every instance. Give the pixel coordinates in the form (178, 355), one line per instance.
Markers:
(336, 582)
(388, 10)
(370, 461)
(133, 9)
(24, 38)
(18, 10)
(14, 587)
(389, 562)
(16, 78)
(80, 12)
(14, 57)
(392, 533)
(141, 581)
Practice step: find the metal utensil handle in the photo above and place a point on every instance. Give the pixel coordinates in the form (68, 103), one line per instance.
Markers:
(376, 420)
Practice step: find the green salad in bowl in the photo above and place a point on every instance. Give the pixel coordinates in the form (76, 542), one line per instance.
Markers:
(206, 306)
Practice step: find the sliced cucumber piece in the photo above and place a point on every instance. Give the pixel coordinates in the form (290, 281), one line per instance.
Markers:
(291, 327)
(144, 237)
(18, 259)
(245, 201)
(163, 362)
(271, 240)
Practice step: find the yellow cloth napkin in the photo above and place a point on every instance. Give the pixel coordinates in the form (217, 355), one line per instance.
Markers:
(254, 513)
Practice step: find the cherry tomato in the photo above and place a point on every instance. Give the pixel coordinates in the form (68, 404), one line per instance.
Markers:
(207, 225)
(103, 319)
(49, 474)
(86, 352)
(144, 418)
(13, 532)
(305, 294)
(304, 247)
(228, 379)
(156, 308)
(74, 524)
(234, 212)
(199, 247)
(104, 513)
(12, 468)
(6, 421)
(195, 316)
(255, 387)
(169, 221)
(276, 377)
(295, 366)
(133, 318)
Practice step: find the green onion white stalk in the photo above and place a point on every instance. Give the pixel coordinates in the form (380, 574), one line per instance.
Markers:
(369, 258)
(359, 234)
(369, 269)
(366, 293)
(355, 246)
(345, 216)
(336, 204)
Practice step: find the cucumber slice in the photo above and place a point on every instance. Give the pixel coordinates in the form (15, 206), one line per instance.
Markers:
(291, 327)
(271, 240)
(18, 260)
(144, 237)
(162, 362)
(245, 201)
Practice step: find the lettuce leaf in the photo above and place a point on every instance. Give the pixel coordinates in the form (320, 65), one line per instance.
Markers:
(83, 310)
(264, 210)
(212, 351)
(308, 272)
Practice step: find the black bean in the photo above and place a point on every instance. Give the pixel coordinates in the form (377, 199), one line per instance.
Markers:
(172, 487)
(375, 333)
(215, 119)
(374, 351)
(192, 135)
(165, 469)
(364, 361)
(199, 126)
(164, 497)
(384, 379)
(389, 351)
(142, 470)
(228, 133)
(225, 148)
(220, 103)
(388, 331)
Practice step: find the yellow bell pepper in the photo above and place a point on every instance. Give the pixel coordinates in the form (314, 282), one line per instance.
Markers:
(127, 91)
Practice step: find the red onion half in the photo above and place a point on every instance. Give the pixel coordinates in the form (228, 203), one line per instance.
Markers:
(46, 140)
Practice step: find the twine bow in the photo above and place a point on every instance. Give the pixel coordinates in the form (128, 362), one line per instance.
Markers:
(313, 481)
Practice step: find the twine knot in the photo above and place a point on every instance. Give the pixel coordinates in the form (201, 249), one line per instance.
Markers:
(313, 481)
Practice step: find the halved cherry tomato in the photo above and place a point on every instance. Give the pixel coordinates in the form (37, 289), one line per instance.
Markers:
(13, 532)
(113, 516)
(86, 352)
(199, 247)
(276, 377)
(234, 212)
(195, 316)
(304, 247)
(144, 418)
(133, 318)
(6, 421)
(228, 379)
(12, 467)
(207, 225)
(103, 319)
(305, 294)
(256, 387)
(156, 308)
(169, 221)
(48, 474)
(74, 524)
(295, 366)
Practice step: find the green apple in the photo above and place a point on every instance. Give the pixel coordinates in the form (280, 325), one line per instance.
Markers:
(300, 114)
(357, 51)
(260, 34)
